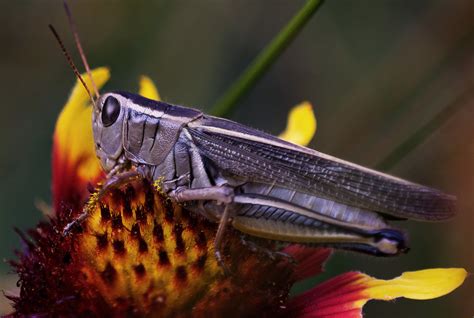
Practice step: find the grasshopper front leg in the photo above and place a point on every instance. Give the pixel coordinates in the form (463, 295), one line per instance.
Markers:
(221, 194)
(113, 180)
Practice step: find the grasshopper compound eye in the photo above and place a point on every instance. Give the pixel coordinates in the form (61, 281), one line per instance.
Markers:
(110, 111)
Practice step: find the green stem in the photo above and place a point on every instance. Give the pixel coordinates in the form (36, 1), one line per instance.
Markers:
(265, 59)
(424, 132)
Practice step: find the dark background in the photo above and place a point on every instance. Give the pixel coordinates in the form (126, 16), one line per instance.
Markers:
(374, 70)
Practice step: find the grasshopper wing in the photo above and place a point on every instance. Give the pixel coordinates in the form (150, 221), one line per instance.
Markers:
(251, 155)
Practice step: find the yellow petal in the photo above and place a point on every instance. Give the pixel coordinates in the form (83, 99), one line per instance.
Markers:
(73, 134)
(346, 294)
(301, 125)
(421, 285)
(148, 88)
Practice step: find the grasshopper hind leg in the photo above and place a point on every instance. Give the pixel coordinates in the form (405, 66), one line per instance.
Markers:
(271, 218)
(389, 242)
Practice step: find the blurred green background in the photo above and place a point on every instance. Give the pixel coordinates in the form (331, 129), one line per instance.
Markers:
(374, 70)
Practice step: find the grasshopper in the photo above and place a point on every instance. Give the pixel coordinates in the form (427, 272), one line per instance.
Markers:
(256, 182)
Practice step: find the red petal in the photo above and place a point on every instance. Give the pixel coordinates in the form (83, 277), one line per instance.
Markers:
(310, 260)
(336, 298)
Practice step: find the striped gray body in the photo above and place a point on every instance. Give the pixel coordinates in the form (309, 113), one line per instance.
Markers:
(281, 191)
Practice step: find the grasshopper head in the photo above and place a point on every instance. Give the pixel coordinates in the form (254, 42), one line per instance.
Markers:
(107, 122)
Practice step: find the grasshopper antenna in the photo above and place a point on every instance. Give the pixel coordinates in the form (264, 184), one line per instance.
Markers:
(69, 60)
(79, 47)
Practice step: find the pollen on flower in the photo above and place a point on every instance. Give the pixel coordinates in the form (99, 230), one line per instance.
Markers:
(158, 185)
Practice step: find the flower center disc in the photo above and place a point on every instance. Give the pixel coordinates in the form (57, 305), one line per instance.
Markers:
(143, 253)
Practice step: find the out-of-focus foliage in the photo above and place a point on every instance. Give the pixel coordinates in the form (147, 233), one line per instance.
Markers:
(374, 71)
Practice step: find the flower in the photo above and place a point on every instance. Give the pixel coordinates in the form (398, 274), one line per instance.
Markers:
(139, 254)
